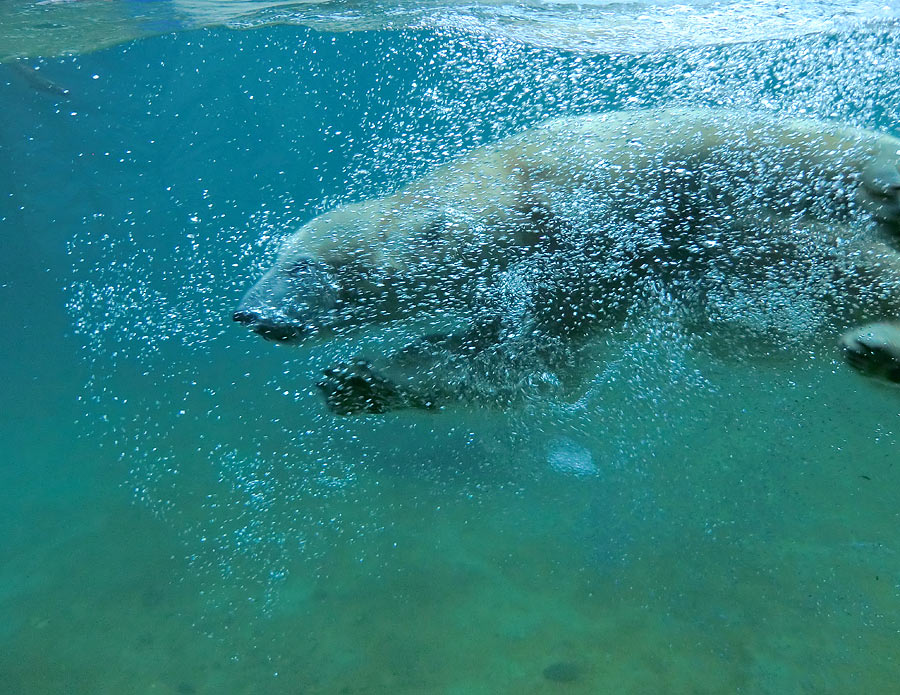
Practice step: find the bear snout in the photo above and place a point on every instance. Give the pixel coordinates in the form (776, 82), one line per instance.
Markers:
(269, 328)
(279, 333)
(245, 318)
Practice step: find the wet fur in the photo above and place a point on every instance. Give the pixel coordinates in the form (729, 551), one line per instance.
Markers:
(540, 240)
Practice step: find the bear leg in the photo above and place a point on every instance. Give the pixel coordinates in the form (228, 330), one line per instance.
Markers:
(431, 372)
(357, 388)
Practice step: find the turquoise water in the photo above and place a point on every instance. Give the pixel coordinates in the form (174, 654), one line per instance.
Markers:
(179, 513)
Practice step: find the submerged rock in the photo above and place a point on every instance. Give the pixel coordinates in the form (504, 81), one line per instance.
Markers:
(570, 457)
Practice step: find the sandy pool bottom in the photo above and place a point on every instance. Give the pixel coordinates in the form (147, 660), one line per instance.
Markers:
(749, 546)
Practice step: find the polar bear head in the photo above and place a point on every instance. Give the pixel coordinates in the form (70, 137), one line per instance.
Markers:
(294, 300)
(329, 275)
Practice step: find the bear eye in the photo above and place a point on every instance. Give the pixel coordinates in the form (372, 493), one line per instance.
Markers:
(297, 268)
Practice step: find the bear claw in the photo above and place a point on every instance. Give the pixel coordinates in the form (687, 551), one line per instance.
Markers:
(356, 388)
(874, 351)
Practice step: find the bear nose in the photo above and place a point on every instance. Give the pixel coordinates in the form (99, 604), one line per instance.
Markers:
(245, 317)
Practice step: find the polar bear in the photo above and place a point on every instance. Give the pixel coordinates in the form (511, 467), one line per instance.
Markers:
(538, 240)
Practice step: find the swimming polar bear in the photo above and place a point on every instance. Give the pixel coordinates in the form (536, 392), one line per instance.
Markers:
(540, 239)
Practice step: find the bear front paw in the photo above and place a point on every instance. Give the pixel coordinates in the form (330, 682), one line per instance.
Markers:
(874, 351)
(356, 388)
